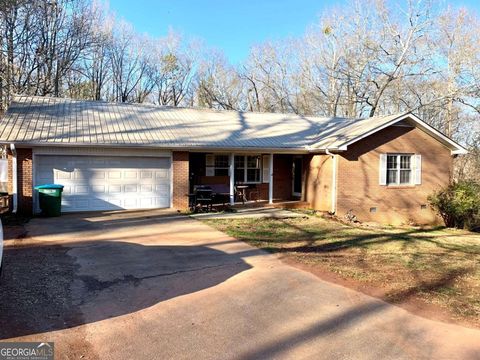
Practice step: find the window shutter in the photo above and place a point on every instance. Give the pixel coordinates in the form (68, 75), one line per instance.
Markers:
(210, 165)
(266, 168)
(382, 179)
(417, 170)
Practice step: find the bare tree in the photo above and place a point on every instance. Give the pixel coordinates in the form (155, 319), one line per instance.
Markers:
(130, 63)
(173, 66)
(219, 85)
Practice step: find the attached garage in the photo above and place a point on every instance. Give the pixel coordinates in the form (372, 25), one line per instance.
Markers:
(95, 182)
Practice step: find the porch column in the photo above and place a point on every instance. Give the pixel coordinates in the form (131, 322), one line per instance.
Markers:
(231, 172)
(270, 178)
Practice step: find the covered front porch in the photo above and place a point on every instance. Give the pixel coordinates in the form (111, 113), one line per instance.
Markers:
(247, 179)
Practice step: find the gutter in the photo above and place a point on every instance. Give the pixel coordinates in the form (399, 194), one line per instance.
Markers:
(189, 148)
(14, 178)
(334, 181)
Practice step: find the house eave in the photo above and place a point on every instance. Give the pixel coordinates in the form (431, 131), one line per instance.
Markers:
(455, 148)
(170, 147)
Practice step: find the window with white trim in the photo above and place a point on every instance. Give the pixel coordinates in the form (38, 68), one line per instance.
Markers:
(247, 168)
(399, 169)
(217, 165)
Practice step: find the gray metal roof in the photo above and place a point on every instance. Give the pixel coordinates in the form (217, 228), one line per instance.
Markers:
(40, 121)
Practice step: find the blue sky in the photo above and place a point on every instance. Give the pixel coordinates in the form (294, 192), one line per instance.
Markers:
(230, 25)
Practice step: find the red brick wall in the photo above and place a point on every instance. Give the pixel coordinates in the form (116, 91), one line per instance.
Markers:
(180, 169)
(317, 189)
(24, 180)
(358, 177)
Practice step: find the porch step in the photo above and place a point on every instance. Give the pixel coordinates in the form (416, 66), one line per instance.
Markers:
(251, 213)
(292, 205)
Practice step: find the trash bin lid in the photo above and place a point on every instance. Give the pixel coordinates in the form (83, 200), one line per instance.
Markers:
(49, 186)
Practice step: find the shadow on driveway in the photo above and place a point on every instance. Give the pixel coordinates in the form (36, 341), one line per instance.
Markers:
(53, 287)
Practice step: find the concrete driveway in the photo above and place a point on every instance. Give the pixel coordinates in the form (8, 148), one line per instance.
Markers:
(156, 285)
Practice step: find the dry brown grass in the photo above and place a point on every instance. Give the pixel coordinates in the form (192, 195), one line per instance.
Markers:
(437, 267)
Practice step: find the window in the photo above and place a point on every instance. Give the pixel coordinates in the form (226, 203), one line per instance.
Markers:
(253, 169)
(247, 168)
(399, 169)
(216, 165)
(221, 165)
(239, 169)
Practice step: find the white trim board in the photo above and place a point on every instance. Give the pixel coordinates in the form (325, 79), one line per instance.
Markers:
(99, 151)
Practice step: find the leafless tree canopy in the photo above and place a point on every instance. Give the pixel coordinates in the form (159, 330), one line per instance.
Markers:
(369, 58)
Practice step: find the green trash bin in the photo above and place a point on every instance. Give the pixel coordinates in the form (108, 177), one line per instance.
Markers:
(50, 198)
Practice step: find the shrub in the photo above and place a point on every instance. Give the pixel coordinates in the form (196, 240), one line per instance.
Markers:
(458, 204)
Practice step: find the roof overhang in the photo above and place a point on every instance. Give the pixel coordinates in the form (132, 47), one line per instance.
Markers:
(455, 148)
(164, 148)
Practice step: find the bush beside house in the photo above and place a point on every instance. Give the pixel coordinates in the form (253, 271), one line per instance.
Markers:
(459, 204)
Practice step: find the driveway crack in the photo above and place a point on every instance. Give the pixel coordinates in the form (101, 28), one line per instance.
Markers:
(94, 284)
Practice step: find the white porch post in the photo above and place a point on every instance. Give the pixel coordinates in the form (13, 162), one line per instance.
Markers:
(270, 178)
(232, 179)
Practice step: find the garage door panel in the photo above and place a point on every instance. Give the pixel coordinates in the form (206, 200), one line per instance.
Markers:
(130, 174)
(161, 202)
(146, 174)
(98, 174)
(130, 188)
(107, 183)
(77, 175)
(98, 189)
(161, 188)
(114, 174)
(81, 189)
(63, 175)
(114, 189)
(161, 174)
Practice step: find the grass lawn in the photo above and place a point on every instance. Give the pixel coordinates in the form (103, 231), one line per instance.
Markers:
(436, 271)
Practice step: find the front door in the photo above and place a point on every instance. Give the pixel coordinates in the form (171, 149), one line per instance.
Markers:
(297, 176)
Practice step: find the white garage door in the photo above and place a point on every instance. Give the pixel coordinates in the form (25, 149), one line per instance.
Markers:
(107, 183)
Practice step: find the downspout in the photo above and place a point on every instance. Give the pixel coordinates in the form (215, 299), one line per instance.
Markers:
(14, 178)
(334, 181)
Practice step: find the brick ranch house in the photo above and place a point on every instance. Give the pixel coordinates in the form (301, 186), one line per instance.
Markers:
(124, 156)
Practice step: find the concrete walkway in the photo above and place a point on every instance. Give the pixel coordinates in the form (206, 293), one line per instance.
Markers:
(252, 213)
(155, 285)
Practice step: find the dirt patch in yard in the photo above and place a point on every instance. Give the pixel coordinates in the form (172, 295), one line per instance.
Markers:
(432, 272)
